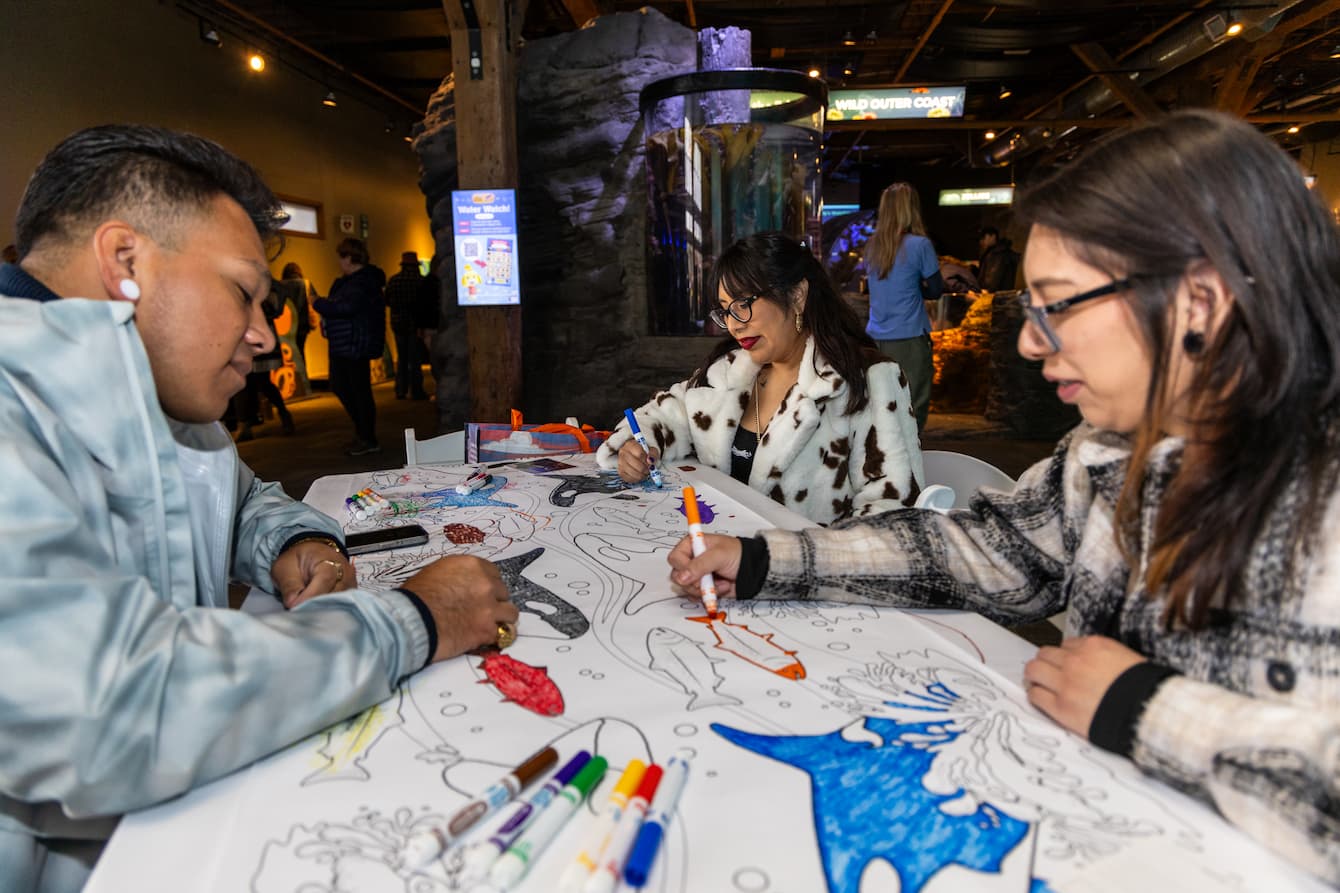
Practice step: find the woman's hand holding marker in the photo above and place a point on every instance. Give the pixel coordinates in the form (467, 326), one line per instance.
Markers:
(705, 584)
(720, 560)
(642, 442)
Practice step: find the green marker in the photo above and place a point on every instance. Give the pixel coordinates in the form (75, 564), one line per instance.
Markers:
(513, 864)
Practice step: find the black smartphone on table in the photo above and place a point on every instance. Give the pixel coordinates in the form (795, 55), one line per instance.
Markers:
(399, 537)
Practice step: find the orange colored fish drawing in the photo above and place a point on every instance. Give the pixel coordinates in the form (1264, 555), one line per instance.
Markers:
(522, 684)
(756, 648)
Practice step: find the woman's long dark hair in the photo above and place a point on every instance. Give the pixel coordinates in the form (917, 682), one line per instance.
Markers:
(1151, 203)
(772, 265)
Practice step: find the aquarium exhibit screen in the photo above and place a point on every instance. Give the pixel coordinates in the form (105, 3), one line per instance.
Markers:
(896, 102)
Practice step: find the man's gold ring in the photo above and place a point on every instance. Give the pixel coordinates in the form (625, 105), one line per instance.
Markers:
(506, 635)
(339, 569)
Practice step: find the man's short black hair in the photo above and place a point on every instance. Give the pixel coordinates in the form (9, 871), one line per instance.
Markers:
(150, 176)
(988, 231)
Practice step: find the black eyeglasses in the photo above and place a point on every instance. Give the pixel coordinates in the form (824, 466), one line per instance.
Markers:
(1037, 315)
(741, 309)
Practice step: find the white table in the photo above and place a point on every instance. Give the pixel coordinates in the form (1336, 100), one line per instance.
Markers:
(800, 717)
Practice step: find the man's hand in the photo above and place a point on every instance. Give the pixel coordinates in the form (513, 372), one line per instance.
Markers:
(1068, 682)
(721, 559)
(633, 465)
(468, 600)
(310, 568)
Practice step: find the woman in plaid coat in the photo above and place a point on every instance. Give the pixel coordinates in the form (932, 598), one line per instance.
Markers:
(1184, 293)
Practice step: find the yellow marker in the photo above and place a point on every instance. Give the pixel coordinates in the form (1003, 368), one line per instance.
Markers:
(706, 584)
(594, 847)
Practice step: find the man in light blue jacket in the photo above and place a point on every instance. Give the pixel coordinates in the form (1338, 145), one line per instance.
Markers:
(130, 320)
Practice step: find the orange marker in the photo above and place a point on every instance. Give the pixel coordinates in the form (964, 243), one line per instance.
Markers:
(706, 584)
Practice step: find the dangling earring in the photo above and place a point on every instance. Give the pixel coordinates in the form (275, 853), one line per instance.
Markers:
(799, 327)
(1193, 343)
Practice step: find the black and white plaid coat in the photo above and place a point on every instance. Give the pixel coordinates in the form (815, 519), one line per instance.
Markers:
(1252, 724)
(814, 458)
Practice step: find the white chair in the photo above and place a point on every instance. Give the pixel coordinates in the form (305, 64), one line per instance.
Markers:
(960, 475)
(443, 449)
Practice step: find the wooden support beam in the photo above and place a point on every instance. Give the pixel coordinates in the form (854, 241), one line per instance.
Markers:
(1096, 59)
(1241, 74)
(582, 11)
(921, 40)
(486, 157)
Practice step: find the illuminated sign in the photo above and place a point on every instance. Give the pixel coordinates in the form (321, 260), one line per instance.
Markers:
(990, 195)
(484, 224)
(896, 102)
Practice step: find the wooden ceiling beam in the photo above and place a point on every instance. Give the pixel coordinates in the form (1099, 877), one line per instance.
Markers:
(1231, 96)
(921, 40)
(1096, 59)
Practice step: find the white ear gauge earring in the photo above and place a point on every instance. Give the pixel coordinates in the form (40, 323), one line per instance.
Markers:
(129, 290)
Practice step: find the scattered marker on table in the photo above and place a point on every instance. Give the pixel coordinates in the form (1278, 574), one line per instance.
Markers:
(642, 442)
(648, 842)
(472, 484)
(425, 847)
(480, 857)
(520, 856)
(707, 585)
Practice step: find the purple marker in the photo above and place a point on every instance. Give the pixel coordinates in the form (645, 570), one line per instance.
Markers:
(480, 857)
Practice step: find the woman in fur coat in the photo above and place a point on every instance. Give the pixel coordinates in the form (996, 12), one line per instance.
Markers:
(797, 402)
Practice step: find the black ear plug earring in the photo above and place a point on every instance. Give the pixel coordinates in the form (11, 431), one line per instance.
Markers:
(1193, 343)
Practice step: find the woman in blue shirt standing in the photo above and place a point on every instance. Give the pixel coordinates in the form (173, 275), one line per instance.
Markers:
(903, 272)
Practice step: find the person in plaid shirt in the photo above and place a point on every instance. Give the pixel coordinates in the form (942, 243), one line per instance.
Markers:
(1184, 294)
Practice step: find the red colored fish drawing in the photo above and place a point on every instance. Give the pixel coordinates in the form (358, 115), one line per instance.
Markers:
(522, 684)
(756, 648)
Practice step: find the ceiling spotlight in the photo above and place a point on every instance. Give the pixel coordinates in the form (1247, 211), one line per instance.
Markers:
(1234, 29)
(1293, 129)
(1215, 27)
(871, 36)
(849, 39)
(329, 101)
(990, 135)
(1005, 92)
(1335, 51)
(814, 72)
(256, 62)
(209, 34)
(847, 70)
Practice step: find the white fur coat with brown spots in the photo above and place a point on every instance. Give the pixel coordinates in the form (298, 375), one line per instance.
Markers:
(814, 457)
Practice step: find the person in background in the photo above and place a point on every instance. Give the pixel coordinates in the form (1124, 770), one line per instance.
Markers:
(259, 382)
(354, 316)
(903, 272)
(9, 255)
(125, 679)
(998, 263)
(294, 289)
(1184, 293)
(404, 292)
(796, 401)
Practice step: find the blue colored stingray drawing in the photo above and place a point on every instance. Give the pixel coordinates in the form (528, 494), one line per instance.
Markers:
(939, 770)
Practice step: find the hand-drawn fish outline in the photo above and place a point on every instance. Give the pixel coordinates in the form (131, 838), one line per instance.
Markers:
(688, 666)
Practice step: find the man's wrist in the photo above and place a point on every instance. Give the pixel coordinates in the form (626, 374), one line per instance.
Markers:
(314, 536)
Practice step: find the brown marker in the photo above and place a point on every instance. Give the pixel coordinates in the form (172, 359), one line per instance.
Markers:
(424, 847)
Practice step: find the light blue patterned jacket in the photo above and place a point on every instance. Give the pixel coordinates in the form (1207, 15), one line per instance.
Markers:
(124, 678)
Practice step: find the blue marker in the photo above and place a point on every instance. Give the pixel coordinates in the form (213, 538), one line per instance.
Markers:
(642, 442)
(480, 857)
(648, 843)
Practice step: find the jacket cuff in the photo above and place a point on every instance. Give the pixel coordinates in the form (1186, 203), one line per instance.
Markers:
(312, 535)
(1119, 711)
(429, 624)
(753, 567)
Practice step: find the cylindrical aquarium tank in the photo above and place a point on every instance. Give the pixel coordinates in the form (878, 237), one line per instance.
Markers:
(729, 153)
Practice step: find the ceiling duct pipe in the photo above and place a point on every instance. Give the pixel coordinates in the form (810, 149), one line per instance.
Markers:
(1186, 44)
